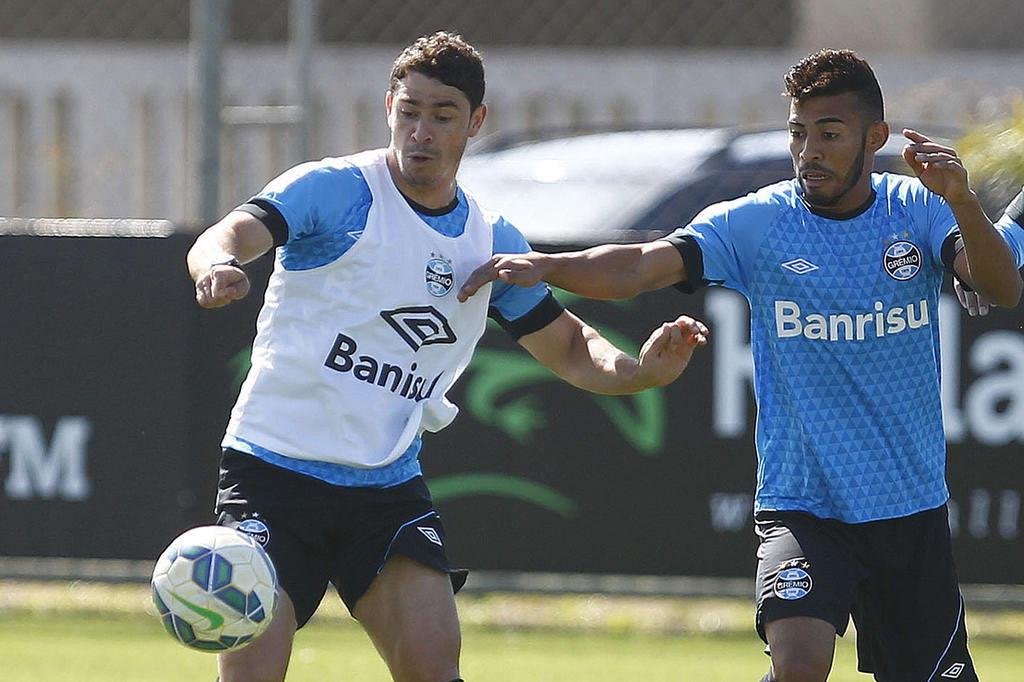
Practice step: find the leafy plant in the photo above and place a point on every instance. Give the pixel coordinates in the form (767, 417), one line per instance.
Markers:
(994, 155)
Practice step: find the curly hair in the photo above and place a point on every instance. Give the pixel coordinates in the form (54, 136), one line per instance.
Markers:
(446, 57)
(833, 72)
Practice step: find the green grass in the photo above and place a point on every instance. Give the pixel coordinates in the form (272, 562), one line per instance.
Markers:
(77, 647)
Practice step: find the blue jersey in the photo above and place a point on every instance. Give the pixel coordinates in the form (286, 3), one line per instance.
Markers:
(316, 213)
(845, 338)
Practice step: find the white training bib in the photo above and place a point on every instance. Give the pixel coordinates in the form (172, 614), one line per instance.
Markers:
(352, 359)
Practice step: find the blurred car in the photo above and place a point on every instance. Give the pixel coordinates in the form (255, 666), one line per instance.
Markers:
(565, 189)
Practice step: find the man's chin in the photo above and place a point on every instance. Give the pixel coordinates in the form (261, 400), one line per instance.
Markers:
(418, 177)
(819, 199)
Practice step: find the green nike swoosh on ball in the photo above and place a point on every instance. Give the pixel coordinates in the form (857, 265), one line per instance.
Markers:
(216, 620)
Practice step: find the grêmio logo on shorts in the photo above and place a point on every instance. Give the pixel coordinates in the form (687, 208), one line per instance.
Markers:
(793, 583)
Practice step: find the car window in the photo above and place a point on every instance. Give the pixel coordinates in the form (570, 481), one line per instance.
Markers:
(711, 187)
(730, 182)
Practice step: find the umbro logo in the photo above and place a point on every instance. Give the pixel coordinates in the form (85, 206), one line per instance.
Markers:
(420, 325)
(954, 671)
(800, 266)
(431, 535)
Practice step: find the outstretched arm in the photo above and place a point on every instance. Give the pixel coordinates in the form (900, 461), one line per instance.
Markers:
(582, 357)
(986, 262)
(613, 271)
(238, 236)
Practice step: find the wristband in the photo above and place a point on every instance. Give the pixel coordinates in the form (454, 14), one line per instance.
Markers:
(232, 261)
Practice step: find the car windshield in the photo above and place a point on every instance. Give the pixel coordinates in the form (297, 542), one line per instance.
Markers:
(585, 187)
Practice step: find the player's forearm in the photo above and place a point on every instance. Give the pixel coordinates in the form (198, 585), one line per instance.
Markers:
(604, 272)
(208, 249)
(238, 235)
(990, 265)
(597, 366)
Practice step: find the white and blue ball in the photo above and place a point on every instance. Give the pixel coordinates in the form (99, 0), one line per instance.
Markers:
(214, 588)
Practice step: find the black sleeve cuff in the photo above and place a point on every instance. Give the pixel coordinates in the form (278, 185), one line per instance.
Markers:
(542, 314)
(267, 213)
(693, 261)
(953, 245)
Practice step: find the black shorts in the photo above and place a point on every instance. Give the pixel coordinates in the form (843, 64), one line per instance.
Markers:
(895, 577)
(317, 533)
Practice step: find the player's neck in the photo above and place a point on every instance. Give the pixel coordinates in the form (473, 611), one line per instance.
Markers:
(846, 209)
(431, 196)
(429, 199)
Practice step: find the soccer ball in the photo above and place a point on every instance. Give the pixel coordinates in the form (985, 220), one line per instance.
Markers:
(214, 588)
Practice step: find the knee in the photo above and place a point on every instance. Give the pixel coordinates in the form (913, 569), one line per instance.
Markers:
(421, 664)
(241, 673)
(791, 669)
(413, 670)
(253, 664)
(801, 649)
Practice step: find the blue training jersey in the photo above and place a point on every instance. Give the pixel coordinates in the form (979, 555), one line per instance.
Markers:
(318, 210)
(845, 339)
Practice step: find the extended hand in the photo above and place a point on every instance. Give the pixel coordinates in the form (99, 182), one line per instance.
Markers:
(221, 285)
(521, 269)
(974, 303)
(668, 350)
(937, 166)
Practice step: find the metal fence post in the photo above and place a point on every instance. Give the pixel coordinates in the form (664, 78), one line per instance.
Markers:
(302, 41)
(208, 19)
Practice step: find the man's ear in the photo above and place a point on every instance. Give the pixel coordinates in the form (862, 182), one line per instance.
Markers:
(878, 135)
(389, 100)
(476, 119)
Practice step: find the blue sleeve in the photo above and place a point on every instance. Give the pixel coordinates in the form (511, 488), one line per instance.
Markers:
(513, 302)
(941, 224)
(1013, 234)
(726, 235)
(930, 213)
(316, 196)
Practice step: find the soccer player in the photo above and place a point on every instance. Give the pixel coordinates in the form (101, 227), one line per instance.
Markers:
(359, 339)
(842, 269)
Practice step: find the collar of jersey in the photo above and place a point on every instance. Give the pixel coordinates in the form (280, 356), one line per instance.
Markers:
(848, 215)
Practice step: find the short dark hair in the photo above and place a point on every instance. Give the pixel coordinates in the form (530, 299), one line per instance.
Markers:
(833, 72)
(446, 57)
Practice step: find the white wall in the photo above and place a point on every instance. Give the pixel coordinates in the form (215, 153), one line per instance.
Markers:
(121, 151)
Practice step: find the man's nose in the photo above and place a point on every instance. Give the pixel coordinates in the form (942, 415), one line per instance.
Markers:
(810, 151)
(421, 132)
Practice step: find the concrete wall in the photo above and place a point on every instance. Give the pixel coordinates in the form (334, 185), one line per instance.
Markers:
(101, 131)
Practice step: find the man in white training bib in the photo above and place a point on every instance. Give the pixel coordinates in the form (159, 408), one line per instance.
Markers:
(360, 337)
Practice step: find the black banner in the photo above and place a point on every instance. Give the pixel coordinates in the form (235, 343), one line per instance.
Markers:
(115, 388)
(536, 475)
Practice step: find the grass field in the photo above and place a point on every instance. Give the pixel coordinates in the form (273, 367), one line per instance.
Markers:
(54, 635)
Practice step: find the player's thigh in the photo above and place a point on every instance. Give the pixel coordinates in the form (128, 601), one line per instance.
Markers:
(409, 612)
(265, 659)
(283, 512)
(801, 648)
(805, 569)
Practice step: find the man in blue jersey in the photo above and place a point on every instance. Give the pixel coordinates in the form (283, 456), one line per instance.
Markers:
(358, 341)
(842, 269)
